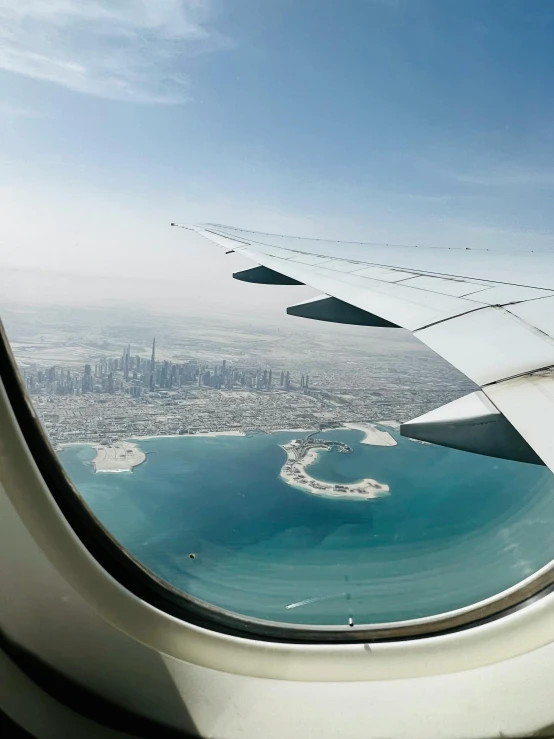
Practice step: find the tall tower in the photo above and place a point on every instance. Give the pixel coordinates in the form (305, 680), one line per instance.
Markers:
(153, 366)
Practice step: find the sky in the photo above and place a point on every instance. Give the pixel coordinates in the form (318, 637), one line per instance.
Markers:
(404, 121)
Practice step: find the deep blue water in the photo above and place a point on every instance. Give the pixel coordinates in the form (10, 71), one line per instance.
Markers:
(455, 528)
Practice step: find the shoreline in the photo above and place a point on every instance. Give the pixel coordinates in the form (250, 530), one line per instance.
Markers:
(189, 436)
(373, 436)
(124, 456)
(300, 456)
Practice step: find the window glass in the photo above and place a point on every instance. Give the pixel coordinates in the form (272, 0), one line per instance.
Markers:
(247, 457)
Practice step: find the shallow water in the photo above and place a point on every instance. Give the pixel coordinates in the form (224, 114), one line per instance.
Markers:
(455, 528)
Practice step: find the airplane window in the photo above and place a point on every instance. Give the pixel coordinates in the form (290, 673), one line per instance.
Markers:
(248, 458)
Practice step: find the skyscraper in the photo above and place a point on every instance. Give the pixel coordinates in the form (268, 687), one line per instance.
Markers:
(86, 383)
(126, 361)
(153, 366)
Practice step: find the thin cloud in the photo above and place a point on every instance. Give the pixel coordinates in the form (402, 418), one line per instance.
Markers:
(501, 238)
(518, 177)
(7, 110)
(128, 50)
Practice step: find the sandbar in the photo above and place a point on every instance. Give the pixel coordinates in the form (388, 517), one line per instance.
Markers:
(373, 435)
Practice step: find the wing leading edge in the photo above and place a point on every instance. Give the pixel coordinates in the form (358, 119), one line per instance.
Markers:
(490, 314)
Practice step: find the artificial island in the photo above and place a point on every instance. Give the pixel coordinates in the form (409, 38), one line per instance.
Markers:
(121, 456)
(303, 452)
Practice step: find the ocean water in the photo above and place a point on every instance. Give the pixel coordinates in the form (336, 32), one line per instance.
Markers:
(455, 528)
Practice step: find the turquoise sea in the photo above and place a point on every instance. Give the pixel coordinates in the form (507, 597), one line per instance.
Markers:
(455, 528)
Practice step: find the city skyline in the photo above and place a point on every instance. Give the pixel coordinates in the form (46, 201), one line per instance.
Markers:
(133, 374)
(119, 397)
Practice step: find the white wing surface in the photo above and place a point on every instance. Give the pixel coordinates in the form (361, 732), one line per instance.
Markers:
(490, 314)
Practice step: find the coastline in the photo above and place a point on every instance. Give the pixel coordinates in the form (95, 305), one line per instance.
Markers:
(124, 456)
(188, 436)
(291, 431)
(300, 456)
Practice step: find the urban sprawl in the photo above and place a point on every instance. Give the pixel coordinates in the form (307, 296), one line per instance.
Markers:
(114, 398)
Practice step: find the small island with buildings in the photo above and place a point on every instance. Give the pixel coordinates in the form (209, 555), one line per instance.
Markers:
(303, 452)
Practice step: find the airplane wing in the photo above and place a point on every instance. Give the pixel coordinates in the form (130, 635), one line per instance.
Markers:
(490, 314)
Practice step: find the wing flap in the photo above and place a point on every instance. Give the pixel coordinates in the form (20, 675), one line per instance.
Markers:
(455, 288)
(537, 313)
(490, 345)
(528, 404)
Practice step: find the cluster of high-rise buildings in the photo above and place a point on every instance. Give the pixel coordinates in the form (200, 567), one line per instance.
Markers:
(135, 375)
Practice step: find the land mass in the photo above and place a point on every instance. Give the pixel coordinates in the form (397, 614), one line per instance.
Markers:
(303, 452)
(373, 435)
(124, 456)
(121, 456)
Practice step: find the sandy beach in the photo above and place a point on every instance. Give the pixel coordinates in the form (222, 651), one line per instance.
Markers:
(373, 435)
(121, 456)
(291, 431)
(188, 436)
(294, 473)
(124, 456)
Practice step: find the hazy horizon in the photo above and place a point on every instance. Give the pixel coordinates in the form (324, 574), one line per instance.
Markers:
(388, 121)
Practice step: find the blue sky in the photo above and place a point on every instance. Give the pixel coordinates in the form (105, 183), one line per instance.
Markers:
(400, 120)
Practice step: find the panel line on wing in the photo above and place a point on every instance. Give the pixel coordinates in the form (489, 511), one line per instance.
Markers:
(225, 236)
(549, 368)
(451, 318)
(447, 275)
